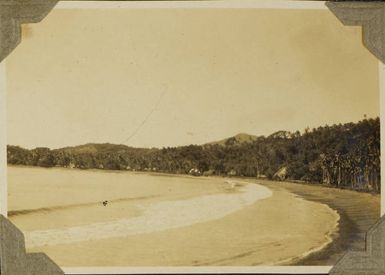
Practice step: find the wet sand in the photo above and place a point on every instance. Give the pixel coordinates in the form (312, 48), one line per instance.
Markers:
(216, 224)
(358, 212)
(59, 197)
(250, 236)
(155, 217)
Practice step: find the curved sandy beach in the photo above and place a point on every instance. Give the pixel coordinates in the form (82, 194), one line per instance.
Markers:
(228, 223)
(156, 216)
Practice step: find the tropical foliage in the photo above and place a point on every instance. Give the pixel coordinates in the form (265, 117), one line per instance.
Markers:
(344, 155)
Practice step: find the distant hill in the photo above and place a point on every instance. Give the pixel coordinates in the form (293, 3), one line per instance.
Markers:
(93, 148)
(344, 155)
(239, 139)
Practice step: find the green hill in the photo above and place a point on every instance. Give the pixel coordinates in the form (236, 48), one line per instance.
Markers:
(239, 139)
(343, 155)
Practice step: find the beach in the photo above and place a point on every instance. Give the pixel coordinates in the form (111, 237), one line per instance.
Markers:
(165, 220)
(358, 213)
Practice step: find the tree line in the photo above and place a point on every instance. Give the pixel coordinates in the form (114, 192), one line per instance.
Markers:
(343, 155)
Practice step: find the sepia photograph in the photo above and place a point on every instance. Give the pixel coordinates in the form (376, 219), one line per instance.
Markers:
(148, 137)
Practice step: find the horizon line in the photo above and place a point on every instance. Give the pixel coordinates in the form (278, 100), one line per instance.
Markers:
(196, 144)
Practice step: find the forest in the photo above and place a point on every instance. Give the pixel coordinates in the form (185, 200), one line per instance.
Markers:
(341, 155)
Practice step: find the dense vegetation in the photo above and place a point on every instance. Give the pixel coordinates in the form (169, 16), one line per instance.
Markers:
(345, 155)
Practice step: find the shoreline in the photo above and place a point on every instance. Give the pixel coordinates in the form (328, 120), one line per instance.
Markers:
(336, 240)
(159, 173)
(225, 227)
(238, 185)
(358, 211)
(203, 211)
(329, 235)
(314, 255)
(329, 240)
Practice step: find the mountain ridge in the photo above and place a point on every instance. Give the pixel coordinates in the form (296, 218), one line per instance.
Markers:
(238, 139)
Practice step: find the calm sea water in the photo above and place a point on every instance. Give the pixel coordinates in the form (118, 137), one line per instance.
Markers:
(73, 205)
(34, 187)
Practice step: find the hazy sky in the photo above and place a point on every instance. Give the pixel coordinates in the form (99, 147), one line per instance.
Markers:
(154, 78)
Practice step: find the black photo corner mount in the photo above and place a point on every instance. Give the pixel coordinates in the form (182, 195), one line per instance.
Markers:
(13, 257)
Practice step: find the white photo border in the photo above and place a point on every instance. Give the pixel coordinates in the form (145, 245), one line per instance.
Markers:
(230, 4)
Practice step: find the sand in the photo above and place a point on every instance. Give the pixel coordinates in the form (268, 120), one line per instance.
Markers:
(358, 213)
(154, 217)
(179, 221)
(40, 198)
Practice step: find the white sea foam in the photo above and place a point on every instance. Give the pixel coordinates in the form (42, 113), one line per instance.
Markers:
(156, 217)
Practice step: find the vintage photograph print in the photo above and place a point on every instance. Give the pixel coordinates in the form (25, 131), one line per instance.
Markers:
(192, 137)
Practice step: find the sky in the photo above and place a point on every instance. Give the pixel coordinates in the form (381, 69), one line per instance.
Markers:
(171, 77)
